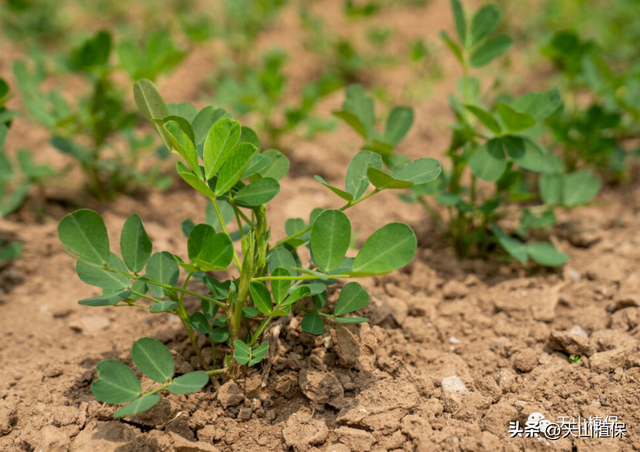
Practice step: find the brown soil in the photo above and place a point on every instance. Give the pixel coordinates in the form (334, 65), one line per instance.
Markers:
(454, 352)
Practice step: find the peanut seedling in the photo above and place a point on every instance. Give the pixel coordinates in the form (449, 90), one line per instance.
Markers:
(497, 143)
(221, 160)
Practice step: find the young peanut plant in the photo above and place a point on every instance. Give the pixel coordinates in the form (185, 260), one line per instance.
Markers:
(497, 143)
(16, 180)
(220, 161)
(98, 130)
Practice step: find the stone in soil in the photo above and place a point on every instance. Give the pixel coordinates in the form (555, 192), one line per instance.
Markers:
(302, 431)
(230, 394)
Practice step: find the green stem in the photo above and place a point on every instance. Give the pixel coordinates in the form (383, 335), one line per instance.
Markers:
(259, 331)
(236, 259)
(166, 385)
(313, 310)
(182, 313)
(146, 297)
(131, 305)
(298, 278)
(236, 211)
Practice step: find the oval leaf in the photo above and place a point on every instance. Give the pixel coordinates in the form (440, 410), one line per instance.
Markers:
(188, 383)
(312, 323)
(153, 359)
(419, 171)
(261, 297)
(221, 139)
(234, 167)
(162, 267)
(137, 406)
(259, 192)
(330, 238)
(352, 297)
(488, 161)
(490, 50)
(546, 254)
(105, 279)
(117, 383)
(579, 187)
(280, 288)
(135, 244)
(278, 167)
(149, 100)
(241, 352)
(389, 248)
(356, 181)
(484, 22)
(84, 233)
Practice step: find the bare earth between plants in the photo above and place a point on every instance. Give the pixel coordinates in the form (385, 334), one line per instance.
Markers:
(454, 351)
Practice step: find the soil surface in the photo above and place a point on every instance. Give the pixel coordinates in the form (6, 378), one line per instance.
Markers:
(455, 351)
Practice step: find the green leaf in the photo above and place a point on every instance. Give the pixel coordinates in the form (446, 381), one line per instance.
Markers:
(205, 119)
(261, 297)
(219, 334)
(241, 352)
(419, 171)
(193, 180)
(490, 50)
(579, 187)
(208, 249)
(343, 194)
(485, 118)
(359, 104)
(84, 233)
(296, 295)
(280, 288)
(234, 167)
(356, 181)
(461, 23)
(182, 143)
(484, 22)
(351, 120)
(199, 323)
(258, 163)
(117, 383)
(135, 244)
(210, 310)
(399, 122)
(99, 277)
(330, 238)
(188, 383)
(220, 321)
(351, 319)
(352, 297)
(257, 193)
(248, 135)
(453, 46)
(538, 105)
(546, 254)
(106, 299)
(149, 100)
(488, 161)
(137, 406)
(162, 267)
(320, 299)
(515, 121)
(515, 248)
(153, 359)
(278, 167)
(389, 248)
(185, 110)
(532, 159)
(280, 257)
(163, 306)
(312, 323)
(221, 140)
(383, 181)
(257, 354)
(550, 186)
